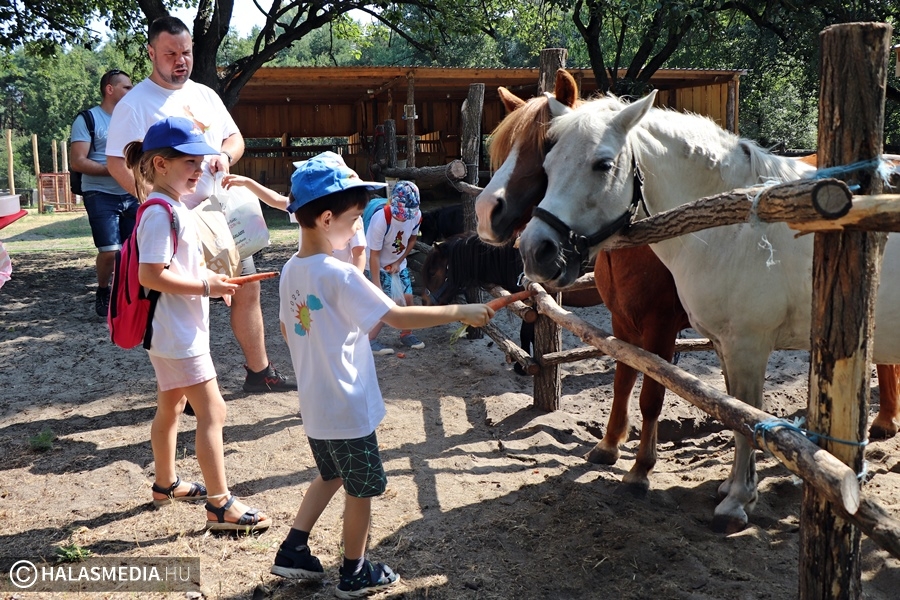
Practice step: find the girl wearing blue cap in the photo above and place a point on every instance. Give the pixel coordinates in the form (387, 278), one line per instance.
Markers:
(326, 308)
(168, 162)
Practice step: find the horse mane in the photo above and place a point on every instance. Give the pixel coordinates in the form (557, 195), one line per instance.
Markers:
(527, 125)
(473, 262)
(737, 161)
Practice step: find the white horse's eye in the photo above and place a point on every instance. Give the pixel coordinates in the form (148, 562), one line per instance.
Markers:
(603, 165)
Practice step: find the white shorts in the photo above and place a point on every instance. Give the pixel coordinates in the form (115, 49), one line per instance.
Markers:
(172, 373)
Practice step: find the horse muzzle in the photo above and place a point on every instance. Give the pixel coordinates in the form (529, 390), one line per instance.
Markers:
(547, 258)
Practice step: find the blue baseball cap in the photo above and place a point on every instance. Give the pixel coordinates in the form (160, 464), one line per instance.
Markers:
(178, 133)
(324, 174)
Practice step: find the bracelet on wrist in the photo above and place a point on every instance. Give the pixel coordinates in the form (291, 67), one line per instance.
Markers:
(228, 154)
(205, 288)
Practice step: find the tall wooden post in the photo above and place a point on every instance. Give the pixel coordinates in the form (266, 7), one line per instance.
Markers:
(55, 158)
(34, 154)
(11, 162)
(547, 333)
(409, 115)
(470, 149)
(390, 140)
(845, 278)
(552, 60)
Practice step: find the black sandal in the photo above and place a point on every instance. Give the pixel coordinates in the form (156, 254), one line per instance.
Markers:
(249, 521)
(195, 494)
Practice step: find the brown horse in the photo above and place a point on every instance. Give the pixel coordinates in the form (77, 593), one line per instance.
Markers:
(638, 290)
(464, 260)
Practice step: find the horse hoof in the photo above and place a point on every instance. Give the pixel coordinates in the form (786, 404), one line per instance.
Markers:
(880, 431)
(728, 524)
(600, 455)
(636, 486)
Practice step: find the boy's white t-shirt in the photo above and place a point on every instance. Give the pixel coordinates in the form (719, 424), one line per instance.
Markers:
(149, 103)
(327, 308)
(181, 322)
(391, 241)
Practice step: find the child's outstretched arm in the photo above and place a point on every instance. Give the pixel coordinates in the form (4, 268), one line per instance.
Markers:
(270, 197)
(157, 277)
(417, 317)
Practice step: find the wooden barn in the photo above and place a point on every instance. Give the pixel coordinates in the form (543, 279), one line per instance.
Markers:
(288, 114)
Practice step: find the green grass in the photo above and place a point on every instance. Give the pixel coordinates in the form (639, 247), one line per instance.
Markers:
(43, 441)
(71, 232)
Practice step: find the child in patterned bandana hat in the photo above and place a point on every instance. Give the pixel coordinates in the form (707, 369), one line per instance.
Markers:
(389, 244)
(326, 308)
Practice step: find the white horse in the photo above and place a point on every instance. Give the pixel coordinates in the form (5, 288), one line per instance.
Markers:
(746, 287)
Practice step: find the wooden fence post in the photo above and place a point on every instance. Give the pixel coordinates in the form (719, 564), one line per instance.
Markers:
(9, 156)
(390, 143)
(470, 149)
(845, 278)
(409, 115)
(547, 333)
(552, 60)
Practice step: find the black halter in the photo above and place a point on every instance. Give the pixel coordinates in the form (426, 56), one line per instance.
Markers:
(578, 246)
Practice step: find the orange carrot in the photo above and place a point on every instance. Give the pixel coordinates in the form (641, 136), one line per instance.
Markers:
(251, 278)
(504, 301)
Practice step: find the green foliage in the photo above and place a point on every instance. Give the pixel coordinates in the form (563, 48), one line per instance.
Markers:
(43, 441)
(41, 96)
(72, 552)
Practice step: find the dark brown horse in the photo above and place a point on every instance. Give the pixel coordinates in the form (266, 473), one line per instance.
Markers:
(638, 290)
(464, 260)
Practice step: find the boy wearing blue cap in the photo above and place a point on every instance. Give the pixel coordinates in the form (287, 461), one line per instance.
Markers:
(327, 308)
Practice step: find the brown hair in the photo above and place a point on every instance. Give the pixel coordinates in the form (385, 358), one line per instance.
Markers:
(338, 203)
(141, 164)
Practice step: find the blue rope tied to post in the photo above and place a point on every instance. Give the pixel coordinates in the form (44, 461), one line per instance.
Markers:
(764, 427)
(882, 167)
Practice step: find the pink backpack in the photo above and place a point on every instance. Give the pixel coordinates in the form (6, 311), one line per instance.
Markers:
(130, 317)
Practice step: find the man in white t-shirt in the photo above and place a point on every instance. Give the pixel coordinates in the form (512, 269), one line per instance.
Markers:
(169, 92)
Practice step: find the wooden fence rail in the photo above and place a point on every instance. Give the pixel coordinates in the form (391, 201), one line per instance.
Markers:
(814, 465)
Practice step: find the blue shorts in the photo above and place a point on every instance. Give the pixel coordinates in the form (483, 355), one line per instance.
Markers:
(111, 217)
(385, 279)
(357, 462)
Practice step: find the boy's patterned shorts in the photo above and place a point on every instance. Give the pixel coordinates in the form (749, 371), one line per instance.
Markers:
(385, 278)
(356, 461)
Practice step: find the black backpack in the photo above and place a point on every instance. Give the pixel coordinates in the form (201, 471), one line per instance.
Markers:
(75, 176)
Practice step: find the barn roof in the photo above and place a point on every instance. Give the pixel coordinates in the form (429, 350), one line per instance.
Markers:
(349, 85)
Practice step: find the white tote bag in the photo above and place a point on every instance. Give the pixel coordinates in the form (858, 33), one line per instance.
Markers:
(244, 215)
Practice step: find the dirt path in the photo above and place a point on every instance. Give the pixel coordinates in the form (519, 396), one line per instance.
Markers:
(487, 498)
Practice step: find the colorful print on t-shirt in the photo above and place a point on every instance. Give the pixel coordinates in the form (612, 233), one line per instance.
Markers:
(302, 312)
(398, 244)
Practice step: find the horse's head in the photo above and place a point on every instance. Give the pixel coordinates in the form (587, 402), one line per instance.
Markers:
(517, 152)
(437, 288)
(593, 187)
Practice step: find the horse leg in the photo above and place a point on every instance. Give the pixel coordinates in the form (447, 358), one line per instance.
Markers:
(606, 452)
(659, 338)
(745, 370)
(889, 408)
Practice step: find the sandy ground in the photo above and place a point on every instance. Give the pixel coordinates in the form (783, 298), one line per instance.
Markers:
(487, 497)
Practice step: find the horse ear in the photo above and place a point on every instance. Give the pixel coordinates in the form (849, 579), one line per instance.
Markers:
(629, 116)
(510, 100)
(566, 90)
(557, 108)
